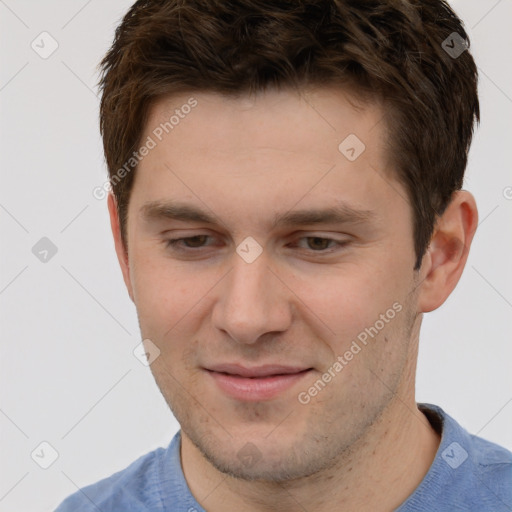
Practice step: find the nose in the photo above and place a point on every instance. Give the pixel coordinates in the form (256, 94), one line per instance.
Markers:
(252, 301)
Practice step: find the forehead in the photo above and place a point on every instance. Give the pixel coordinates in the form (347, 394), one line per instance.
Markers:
(265, 153)
(281, 119)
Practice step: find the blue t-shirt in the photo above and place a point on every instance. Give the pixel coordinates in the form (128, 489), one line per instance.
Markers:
(467, 474)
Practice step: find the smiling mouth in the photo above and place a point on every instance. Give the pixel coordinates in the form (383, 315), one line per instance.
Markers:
(257, 387)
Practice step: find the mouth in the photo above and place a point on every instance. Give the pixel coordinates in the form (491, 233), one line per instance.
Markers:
(258, 383)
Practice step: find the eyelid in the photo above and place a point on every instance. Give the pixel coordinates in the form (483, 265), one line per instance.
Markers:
(175, 243)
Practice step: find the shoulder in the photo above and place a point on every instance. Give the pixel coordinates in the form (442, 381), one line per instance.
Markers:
(469, 472)
(492, 467)
(132, 489)
(488, 454)
(484, 480)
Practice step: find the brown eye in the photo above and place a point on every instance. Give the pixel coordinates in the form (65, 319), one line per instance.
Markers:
(320, 245)
(317, 243)
(192, 242)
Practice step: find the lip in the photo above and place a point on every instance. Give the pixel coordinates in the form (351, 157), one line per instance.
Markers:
(257, 383)
(256, 371)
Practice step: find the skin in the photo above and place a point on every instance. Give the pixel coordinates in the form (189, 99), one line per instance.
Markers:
(361, 443)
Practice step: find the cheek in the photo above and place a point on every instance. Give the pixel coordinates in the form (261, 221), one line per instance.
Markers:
(160, 293)
(345, 301)
(157, 280)
(171, 300)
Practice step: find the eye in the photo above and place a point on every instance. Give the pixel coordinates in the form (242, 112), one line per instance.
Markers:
(320, 244)
(195, 241)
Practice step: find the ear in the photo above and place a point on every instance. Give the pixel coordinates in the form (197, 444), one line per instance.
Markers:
(447, 253)
(122, 253)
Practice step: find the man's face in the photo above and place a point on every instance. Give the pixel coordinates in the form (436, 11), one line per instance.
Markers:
(294, 294)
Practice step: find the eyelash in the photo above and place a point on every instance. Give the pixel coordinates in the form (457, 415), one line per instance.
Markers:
(174, 243)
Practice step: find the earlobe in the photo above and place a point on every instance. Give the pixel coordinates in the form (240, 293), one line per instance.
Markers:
(448, 251)
(122, 255)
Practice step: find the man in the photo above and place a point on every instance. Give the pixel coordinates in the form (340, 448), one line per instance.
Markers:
(286, 205)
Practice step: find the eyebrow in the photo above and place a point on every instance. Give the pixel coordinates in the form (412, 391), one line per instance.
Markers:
(339, 214)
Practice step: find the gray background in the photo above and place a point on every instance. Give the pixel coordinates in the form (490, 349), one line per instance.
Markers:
(68, 376)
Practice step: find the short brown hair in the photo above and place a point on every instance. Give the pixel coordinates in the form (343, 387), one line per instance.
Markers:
(389, 49)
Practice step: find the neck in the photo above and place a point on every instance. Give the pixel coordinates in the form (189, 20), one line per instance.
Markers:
(379, 473)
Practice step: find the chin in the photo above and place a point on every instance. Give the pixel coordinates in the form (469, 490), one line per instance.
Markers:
(263, 460)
